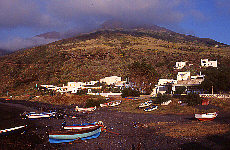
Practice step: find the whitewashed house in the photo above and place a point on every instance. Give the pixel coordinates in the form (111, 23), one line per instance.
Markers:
(110, 80)
(163, 86)
(180, 65)
(207, 63)
(49, 87)
(183, 76)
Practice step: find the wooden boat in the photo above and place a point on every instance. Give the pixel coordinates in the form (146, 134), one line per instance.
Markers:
(71, 135)
(82, 126)
(6, 131)
(167, 102)
(85, 109)
(145, 104)
(114, 103)
(151, 108)
(206, 116)
(104, 105)
(33, 115)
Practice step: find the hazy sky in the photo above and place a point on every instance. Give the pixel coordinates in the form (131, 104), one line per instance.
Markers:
(23, 19)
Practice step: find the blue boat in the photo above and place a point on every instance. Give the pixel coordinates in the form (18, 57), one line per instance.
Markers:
(151, 108)
(72, 135)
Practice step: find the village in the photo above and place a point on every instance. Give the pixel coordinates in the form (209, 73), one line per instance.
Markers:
(169, 86)
(166, 111)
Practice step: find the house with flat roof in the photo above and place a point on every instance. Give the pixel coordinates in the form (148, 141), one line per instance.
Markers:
(207, 63)
(180, 65)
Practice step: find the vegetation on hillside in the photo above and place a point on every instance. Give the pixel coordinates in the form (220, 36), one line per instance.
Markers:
(218, 78)
(140, 55)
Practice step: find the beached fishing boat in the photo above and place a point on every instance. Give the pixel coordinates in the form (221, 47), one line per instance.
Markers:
(33, 115)
(151, 108)
(104, 105)
(6, 131)
(206, 116)
(71, 135)
(145, 104)
(85, 109)
(82, 126)
(167, 102)
(114, 103)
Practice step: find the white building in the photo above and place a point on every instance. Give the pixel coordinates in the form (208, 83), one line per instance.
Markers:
(49, 87)
(166, 81)
(180, 65)
(110, 80)
(183, 76)
(207, 63)
(163, 86)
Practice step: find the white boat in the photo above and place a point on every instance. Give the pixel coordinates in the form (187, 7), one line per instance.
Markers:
(167, 102)
(206, 116)
(5, 131)
(151, 108)
(145, 104)
(85, 109)
(104, 105)
(114, 103)
(36, 116)
(82, 126)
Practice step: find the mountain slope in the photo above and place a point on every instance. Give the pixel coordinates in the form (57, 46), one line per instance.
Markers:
(105, 53)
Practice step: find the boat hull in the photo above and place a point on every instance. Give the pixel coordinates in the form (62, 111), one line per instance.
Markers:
(205, 117)
(74, 136)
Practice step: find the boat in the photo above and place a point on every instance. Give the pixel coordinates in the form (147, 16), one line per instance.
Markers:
(6, 131)
(145, 104)
(114, 103)
(151, 108)
(71, 135)
(37, 116)
(85, 109)
(167, 102)
(206, 116)
(82, 126)
(104, 105)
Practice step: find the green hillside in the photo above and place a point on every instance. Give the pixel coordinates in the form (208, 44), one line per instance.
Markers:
(142, 55)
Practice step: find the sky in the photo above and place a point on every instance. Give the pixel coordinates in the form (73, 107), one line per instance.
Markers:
(20, 20)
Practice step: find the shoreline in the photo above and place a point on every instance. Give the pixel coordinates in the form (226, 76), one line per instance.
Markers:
(153, 131)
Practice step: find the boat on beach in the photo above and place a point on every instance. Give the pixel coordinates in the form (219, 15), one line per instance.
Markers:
(145, 104)
(206, 116)
(82, 126)
(72, 135)
(85, 109)
(6, 131)
(151, 108)
(33, 115)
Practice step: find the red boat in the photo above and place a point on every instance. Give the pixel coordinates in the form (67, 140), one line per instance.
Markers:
(207, 116)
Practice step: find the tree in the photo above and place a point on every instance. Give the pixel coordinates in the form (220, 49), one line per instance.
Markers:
(219, 78)
(180, 90)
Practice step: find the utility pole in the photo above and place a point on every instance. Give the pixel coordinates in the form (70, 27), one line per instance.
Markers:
(212, 89)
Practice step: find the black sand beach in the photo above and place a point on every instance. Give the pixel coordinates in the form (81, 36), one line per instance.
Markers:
(133, 129)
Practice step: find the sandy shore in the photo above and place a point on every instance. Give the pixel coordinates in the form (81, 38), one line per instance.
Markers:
(136, 131)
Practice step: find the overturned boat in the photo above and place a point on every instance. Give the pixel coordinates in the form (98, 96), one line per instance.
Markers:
(206, 116)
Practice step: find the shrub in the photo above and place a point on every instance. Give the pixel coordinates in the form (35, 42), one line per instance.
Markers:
(162, 98)
(193, 99)
(130, 92)
(92, 102)
(180, 90)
